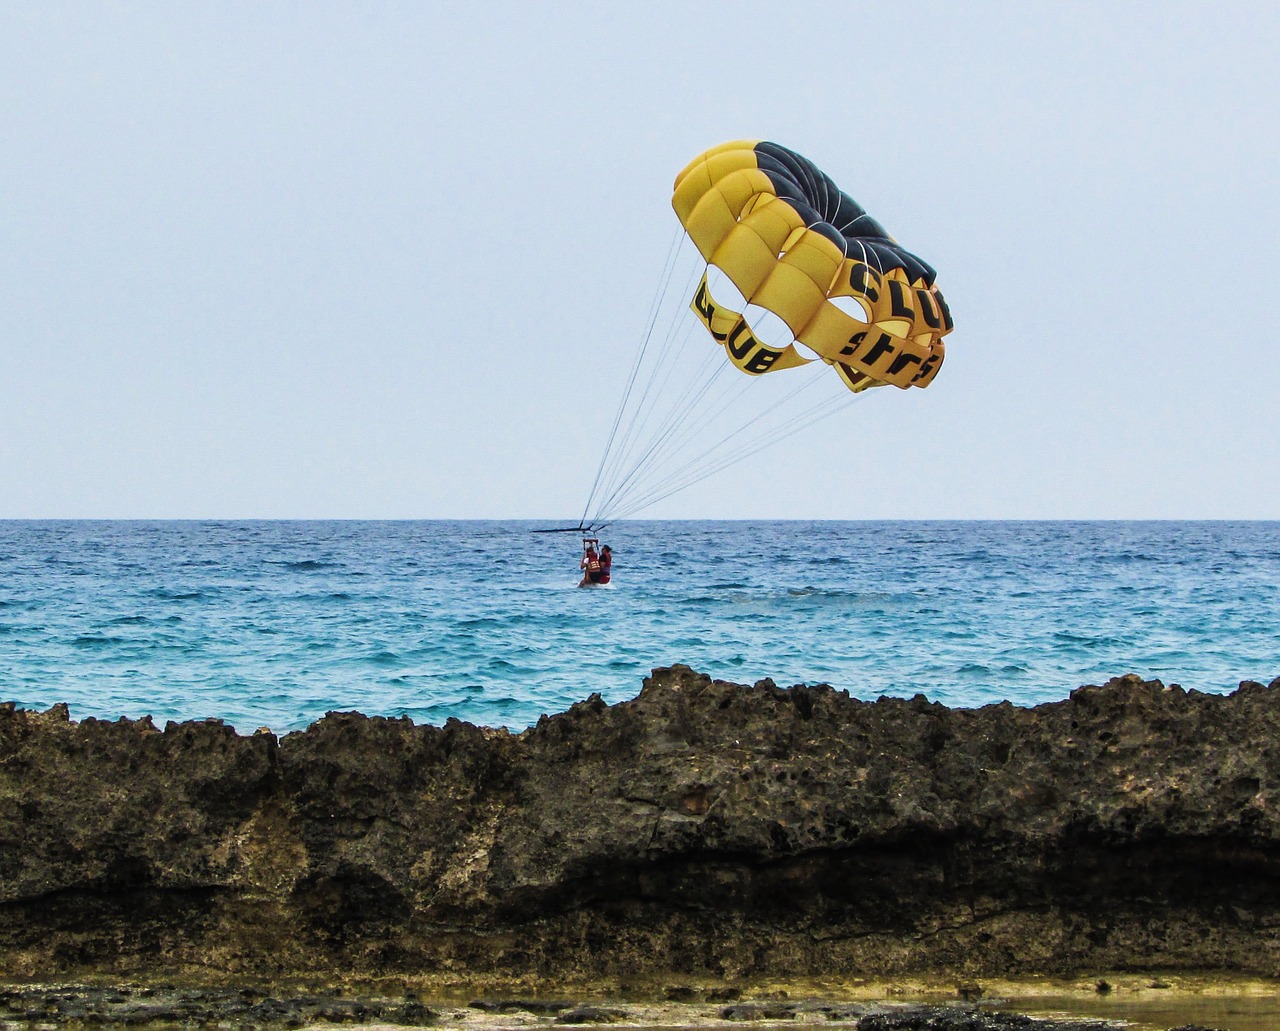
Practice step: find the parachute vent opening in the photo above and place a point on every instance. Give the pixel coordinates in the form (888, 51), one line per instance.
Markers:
(723, 290)
(806, 352)
(853, 307)
(768, 327)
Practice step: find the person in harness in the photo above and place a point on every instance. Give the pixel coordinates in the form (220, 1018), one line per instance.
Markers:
(596, 565)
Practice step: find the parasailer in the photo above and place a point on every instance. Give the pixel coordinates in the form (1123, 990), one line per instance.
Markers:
(596, 563)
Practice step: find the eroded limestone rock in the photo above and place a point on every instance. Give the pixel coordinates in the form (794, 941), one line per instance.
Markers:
(704, 827)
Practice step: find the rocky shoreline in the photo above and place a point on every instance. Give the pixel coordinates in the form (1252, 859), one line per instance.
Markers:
(704, 829)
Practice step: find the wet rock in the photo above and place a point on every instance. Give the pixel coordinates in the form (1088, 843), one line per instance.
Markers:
(926, 1018)
(538, 1006)
(759, 1011)
(726, 994)
(591, 1015)
(704, 829)
(87, 1005)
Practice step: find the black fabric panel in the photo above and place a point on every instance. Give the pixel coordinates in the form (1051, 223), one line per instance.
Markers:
(830, 211)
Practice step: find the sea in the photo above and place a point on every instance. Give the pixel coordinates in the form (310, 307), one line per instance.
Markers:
(274, 623)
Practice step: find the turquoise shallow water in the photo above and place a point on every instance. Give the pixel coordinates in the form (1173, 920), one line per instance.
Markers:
(275, 623)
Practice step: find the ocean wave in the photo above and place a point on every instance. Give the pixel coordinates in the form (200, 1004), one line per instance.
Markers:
(1086, 640)
(480, 623)
(506, 666)
(1127, 557)
(844, 597)
(98, 641)
(824, 592)
(324, 596)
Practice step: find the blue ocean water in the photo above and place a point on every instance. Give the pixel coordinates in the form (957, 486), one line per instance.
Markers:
(275, 623)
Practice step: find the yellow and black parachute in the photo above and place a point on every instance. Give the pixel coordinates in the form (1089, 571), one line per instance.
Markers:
(794, 244)
(785, 270)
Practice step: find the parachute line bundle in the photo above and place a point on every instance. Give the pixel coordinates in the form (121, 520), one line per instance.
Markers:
(799, 252)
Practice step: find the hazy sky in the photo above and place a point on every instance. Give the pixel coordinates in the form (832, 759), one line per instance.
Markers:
(393, 259)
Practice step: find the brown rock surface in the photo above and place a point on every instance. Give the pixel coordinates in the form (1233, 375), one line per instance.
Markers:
(705, 827)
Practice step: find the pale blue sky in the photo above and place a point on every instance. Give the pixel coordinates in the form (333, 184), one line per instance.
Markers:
(331, 260)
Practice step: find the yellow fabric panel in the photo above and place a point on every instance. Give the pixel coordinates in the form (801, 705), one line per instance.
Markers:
(701, 159)
(741, 188)
(792, 239)
(707, 175)
(756, 358)
(709, 222)
(895, 327)
(908, 359)
(741, 346)
(854, 380)
(751, 205)
(774, 221)
(872, 351)
(815, 256)
(933, 308)
(712, 215)
(689, 190)
(925, 376)
(791, 295)
(855, 278)
(721, 166)
(709, 313)
(719, 321)
(904, 307)
(744, 258)
(828, 333)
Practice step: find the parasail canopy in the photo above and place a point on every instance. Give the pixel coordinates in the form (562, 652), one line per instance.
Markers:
(791, 242)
